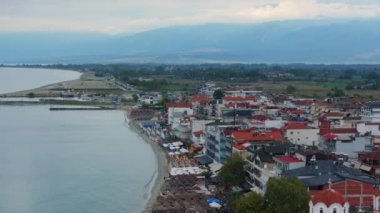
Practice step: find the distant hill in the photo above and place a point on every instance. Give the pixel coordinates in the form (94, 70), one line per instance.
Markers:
(305, 41)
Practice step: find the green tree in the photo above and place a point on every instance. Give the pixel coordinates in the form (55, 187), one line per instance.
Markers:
(218, 94)
(286, 195)
(336, 92)
(232, 172)
(251, 203)
(290, 89)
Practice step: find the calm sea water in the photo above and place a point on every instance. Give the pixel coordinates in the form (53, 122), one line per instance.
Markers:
(71, 161)
(16, 79)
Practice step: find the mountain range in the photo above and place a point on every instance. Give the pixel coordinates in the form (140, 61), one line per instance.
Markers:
(301, 41)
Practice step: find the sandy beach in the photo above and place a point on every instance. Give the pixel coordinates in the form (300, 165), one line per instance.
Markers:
(162, 166)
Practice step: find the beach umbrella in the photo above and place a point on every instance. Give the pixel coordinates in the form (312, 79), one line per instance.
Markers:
(171, 153)
(177, 153)
(213, 200)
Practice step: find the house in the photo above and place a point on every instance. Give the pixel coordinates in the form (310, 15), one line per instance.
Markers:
(239, 100)
(200, 100)
(371, 112)
(150, 98)
(369, 128)
(285, 163)
(241, 93)
(300, 133)
(176, 111)
(370, 162)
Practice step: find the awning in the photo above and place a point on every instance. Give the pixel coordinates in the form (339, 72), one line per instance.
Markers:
(365, 168)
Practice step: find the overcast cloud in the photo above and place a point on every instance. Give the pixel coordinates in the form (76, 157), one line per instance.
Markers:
(128, 16)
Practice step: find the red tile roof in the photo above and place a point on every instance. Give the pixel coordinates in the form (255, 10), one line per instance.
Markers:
(243, 136)
(333, 114)
(200, 98)
(328, 197)
(296, 112)
(295, 125)
(304, 102)
(232, 98)
(238, 105)
(288, 159)
(178, 105)
(338, 131)
(200, 132)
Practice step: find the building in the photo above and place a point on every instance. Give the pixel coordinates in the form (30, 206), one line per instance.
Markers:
(371, 112)
(176, 111)
(238, 100)
(261, 165)
(219, 141)
(328, 201)
(285, 163)
(300, 133)
(368, 128)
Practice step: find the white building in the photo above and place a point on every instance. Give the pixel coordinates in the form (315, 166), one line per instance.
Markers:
(328, 201)
(371, 112)
(176, 111)
(365, 128)
(198, 128)
(300, 133)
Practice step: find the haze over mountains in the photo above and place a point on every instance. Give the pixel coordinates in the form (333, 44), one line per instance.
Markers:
(305, 41)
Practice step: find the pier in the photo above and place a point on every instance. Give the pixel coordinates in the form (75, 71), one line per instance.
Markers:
(80, 108)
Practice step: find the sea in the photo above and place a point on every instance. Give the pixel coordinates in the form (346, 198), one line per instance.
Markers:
(69, 161)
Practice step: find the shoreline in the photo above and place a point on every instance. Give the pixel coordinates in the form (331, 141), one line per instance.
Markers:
(162, 167)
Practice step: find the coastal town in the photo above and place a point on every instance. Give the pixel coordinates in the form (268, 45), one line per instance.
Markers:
(220, 146)
(330, 145)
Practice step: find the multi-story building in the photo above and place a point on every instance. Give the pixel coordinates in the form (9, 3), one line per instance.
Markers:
(261, 165)
(218, 141)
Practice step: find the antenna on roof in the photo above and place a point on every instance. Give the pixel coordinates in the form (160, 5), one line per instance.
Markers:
(329, 183)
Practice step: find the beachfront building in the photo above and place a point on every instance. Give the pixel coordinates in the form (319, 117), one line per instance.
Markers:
(176, 112)
(198, 128)
(219, 141)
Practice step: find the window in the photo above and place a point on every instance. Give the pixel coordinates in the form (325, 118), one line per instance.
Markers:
(334, 210)
(320, 210)
(291, 132)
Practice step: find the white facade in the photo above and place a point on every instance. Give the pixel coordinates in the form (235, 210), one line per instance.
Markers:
(268, 124)
(364, 128)
(241, 93)
(175, 114)
(199, 125)
(308, 137)
(259, 173)
(372, 113)
(334, 208)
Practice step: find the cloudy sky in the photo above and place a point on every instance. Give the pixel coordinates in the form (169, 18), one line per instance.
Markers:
(128, 16)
